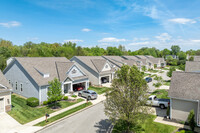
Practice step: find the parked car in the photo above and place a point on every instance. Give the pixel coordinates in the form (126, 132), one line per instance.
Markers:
(104, 80)
(154, 101)
(89, 94)
(78, 88)
(148, 79)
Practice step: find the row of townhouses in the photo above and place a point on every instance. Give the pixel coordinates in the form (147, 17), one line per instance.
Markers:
(30, 76)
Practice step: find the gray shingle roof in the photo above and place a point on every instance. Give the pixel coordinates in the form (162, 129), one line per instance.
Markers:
(4, 82)
(99, 64)
(45, 65)
(119, 61)
(192, 66)
(143, 59)
(196, 58)
(96, 63)
(185, 85)
(62, 69)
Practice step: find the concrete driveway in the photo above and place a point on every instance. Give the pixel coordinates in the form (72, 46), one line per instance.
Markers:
(92, 120)
(10, 125)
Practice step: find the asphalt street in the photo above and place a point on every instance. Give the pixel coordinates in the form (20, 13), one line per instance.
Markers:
(92, 120)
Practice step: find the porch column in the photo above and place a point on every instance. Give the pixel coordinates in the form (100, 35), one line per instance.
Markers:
(71, 87)
(62, 88)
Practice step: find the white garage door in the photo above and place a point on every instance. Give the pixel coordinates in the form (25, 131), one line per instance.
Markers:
(1, 105)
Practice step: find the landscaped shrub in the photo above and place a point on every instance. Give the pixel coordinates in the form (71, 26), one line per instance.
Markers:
(191, 120)
(74, 96)
(168, 111)
(45, 102)
(65, 98)
(157, 84)
(60, 98)
(32, 101)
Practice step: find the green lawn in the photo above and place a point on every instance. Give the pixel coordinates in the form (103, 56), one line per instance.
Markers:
(148, 126)
(24, 113)
(167, 82)
(161, 93)
(66, 113)
(98, 90)
(147, 74)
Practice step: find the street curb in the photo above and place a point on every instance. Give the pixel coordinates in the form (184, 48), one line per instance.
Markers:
(66, 117)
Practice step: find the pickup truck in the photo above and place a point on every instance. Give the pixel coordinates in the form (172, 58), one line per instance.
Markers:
(154, 101)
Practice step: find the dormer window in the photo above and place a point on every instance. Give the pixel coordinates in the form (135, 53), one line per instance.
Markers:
(74, 71)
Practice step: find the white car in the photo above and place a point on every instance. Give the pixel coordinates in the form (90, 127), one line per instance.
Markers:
(154, 101)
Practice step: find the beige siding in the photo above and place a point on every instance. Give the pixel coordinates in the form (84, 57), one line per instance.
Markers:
(181, 109)
(6, 100)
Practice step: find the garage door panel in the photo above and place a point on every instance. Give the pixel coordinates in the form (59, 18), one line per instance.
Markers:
(181, 109)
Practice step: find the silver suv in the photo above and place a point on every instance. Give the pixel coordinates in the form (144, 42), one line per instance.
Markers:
(89, 94)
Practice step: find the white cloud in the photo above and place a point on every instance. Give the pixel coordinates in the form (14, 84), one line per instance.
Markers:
(111, 39)
(195, 41)
(73, 40)
(10, 24)
(182, 21)
(86, 30)
(139, 43)
(163, 37)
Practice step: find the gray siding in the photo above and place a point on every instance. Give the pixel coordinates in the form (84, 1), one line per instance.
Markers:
(181, 108)
(16, 73)
(44, 90)
(77, 74)
(93, 76)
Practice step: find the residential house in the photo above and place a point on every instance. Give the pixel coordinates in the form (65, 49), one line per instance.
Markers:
(30, 76)
(99, 70)
(119, 61)
(5, 94)
(184, 93)
(157, 62)
(173, 56)
(141, 61)
(192, 66)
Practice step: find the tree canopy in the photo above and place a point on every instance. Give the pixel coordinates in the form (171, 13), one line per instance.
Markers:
(126, 99)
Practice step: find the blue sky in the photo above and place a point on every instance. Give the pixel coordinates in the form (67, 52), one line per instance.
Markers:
(132, 23)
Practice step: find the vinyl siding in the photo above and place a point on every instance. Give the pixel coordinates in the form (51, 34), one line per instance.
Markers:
(16, 73)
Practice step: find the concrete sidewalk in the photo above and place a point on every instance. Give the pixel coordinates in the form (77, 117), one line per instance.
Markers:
(10, 125)
(161, 120)
(99, 99)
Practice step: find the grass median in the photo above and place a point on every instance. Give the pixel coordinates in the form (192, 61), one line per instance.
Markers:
(61, 115)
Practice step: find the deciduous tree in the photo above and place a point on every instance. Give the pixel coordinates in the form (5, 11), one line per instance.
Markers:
(126, 99)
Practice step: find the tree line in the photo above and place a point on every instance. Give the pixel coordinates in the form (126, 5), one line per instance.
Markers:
(70, 49)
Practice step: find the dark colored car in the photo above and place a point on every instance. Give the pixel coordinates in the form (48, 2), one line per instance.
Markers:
(148, 79)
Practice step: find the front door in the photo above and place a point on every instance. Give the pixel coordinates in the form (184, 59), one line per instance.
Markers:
(1, 105)
(66, 88)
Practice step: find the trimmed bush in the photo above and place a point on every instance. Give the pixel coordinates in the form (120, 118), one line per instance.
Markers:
(45, 102)
(65, 98)
(32, 101)
(74, 96)
(191, 120)
(60, 98)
